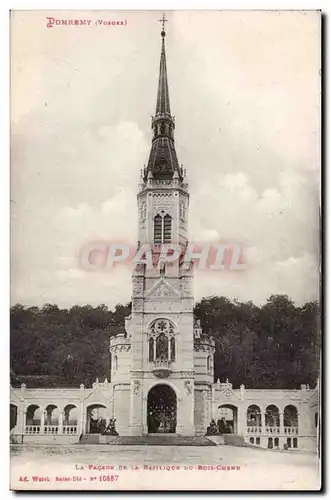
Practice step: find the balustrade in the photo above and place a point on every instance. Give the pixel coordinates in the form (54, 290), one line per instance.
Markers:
(291, 430)
(66, 430)
(272, 430)
(32, 429)
(51, 429)
(69, 430)
(253, 429)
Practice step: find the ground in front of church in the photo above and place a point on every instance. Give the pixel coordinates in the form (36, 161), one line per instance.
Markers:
(168, 467)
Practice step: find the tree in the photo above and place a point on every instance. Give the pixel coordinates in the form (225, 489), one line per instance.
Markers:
(273, 346)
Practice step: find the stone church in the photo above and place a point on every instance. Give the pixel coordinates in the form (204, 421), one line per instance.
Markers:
(163, 370)
(162, 373)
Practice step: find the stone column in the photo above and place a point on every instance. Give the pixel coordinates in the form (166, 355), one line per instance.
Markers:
(81, 427)
(213, 402)
(263, 421)
(241, 421)
(205, 410)
(42, 421)
(303, 423)
(136, 413)
(24, 422)
(144, 415)
(86, 421)
(20, 423)
(281, 424)
(185, 409)
(60, 422)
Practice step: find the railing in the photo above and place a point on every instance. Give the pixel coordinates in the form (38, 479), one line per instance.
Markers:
(32, 429)
(161, 368)
(253, 430)
(51, 429)
(162, 182)
(69, 430)
(161, 363)
(291, 430)
(272, 430)
(250, 429)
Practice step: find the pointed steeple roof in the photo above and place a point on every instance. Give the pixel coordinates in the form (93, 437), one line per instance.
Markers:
(163, 160)
(163, 102)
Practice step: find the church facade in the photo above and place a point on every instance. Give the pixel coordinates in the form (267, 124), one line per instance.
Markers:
(164, 369)
(162, 374)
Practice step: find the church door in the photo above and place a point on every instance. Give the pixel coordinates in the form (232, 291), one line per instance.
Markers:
(161, 410)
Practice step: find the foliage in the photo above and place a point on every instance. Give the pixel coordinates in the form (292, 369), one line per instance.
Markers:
(273, 346)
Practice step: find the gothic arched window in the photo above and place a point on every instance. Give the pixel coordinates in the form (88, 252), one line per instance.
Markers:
(161, 341)
(162, 347)
(158, 229)
(167, 229)
(172, 349)
(209, 363)
(151, 349)
(162, 229)
(115, 362)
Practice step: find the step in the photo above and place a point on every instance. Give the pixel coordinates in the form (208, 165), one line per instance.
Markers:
(148, 440)
(218, 440)
(234, 440)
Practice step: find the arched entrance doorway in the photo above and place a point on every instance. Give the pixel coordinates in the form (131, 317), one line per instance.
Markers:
(96, 419)
(227, 421)
(161, 410)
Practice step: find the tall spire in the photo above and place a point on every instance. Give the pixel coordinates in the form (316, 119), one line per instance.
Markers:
(162, 102)
(163, 160)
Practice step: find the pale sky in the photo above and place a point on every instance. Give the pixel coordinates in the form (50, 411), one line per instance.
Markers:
(245, 91)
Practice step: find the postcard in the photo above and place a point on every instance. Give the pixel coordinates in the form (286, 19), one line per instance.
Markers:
(165, 221)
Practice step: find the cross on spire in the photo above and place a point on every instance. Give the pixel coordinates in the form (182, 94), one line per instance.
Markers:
(163, 21)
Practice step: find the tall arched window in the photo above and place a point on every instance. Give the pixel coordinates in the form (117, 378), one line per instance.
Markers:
(161, 341)
(172, 349)
(115, 362)
(209, 363)
(151, 349)
(253, 416)
(291, 418)
(167, 229)
(162, 347)
(158, 229)
(162, 229)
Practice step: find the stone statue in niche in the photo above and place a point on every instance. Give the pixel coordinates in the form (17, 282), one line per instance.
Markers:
(188, 387)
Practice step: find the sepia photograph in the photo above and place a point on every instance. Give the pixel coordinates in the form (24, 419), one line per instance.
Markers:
(165, 218)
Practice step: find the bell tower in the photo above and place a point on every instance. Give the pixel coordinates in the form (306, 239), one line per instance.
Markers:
(161, 324)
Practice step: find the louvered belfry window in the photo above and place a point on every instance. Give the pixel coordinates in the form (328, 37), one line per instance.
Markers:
(167, 229)
(158, 229)
(162, 229)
